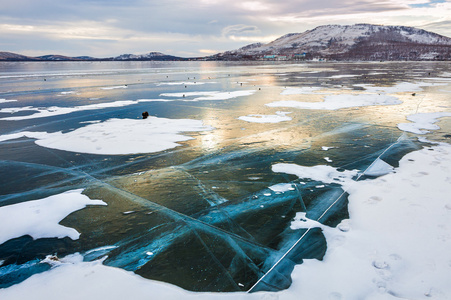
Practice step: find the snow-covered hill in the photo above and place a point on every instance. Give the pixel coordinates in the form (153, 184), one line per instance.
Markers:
(360, 41)
(147, 56)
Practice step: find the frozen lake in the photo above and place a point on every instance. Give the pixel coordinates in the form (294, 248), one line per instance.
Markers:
(223, 186)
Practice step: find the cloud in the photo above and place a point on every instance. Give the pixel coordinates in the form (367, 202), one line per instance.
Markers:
(112, 27)
(240, 29)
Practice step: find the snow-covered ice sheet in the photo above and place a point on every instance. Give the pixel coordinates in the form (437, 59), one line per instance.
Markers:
(334, 102)
(40, 218)
(395, 245)
(118, 136)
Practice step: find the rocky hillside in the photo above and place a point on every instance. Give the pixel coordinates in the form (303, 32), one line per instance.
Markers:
(353, 42)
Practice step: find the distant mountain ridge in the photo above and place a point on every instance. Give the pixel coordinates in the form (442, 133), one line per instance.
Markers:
(8, 56)
(352, 42)
(333, 42)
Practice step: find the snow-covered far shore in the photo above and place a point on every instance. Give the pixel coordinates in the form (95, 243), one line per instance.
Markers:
(394, 246)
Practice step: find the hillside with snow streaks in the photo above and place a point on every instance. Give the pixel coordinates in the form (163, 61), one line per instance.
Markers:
(360, 41)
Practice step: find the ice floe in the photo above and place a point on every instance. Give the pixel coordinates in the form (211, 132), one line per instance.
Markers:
(40, 218)
(118, 136)
(423, 121)
(280, 116)
(334, 102)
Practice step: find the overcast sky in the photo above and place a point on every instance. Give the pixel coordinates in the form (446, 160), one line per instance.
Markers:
(103, 28)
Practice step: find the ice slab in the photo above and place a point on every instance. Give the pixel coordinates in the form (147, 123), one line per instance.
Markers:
(40, 218)
(378, 168)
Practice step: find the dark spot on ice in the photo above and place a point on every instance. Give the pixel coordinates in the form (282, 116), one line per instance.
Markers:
(145, 115)
(413, 94)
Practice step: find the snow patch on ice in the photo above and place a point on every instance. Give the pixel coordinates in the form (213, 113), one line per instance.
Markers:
(323, 173)
(280, 116)
(183, 83)
(300, 90)
(57, 111)
(5, 100)
(215, 95)
(118, 136)
(407, 206)
(281, 187)
(114, 87)
(40, 218)
(401, 87)
(423, 121)
(325, 148)
(334, 102)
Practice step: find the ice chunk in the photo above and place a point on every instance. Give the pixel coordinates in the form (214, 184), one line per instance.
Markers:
(378, 168)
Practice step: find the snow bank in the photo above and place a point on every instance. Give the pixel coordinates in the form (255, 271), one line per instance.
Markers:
(280, 116)
(423, 121)
(40, 218)
(334, 102)
(210, 95)
(118, 136)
